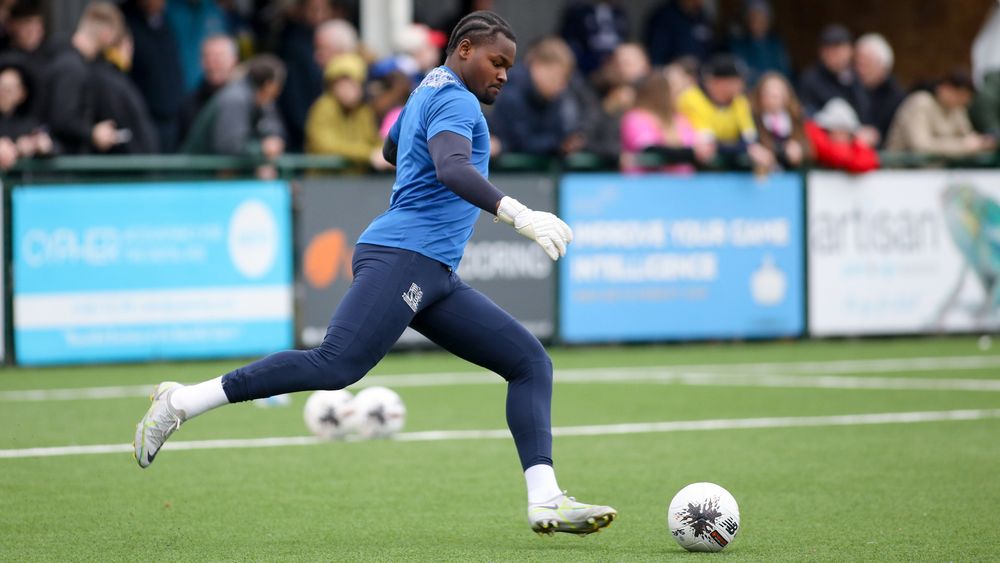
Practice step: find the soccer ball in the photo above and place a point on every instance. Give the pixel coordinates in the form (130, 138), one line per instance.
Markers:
(378, 413)
(703, 517)
(326, 413)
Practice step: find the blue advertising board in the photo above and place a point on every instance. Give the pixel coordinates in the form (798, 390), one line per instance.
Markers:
(668, 257)
(134, 272)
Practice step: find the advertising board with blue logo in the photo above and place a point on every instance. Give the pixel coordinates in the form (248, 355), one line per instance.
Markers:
(668, 257)
(135, 272)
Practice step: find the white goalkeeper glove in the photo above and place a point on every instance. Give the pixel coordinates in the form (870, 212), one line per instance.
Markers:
(549, 231)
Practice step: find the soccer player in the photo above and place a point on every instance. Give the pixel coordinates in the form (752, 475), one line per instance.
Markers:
(404, 275)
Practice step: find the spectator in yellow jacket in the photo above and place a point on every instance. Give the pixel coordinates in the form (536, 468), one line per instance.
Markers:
(340, 122)
(721, 113)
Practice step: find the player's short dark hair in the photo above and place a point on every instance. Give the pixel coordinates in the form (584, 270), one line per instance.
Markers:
(263, 69)
(477, 27)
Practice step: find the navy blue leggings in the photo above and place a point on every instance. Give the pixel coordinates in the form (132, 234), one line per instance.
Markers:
(393, 289)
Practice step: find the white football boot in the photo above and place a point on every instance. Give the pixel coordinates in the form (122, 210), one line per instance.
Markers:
(160, 422)
(564, 514)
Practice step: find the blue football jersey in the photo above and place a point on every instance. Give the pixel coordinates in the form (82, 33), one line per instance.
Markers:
(424, 215)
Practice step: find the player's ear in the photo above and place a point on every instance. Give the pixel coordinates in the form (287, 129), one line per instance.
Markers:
(465, 48)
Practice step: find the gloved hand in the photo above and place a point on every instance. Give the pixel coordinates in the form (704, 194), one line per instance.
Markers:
(549, 231)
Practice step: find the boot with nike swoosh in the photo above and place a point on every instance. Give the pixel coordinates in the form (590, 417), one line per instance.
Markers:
(563, 513)
(161, 420)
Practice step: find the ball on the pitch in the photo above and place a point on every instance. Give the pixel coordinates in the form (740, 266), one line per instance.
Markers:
(326, 413)
(378, 413)
(703, 517)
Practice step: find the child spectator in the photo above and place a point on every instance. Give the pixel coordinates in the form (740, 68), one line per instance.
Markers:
(536, 113)
(654, 123)
(340, 122)
(779, 119)
(938, 123)
(832, 133)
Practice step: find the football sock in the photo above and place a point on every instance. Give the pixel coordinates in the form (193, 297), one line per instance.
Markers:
(198, 398)
(542, 484)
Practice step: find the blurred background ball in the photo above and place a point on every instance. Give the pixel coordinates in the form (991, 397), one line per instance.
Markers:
(326, 413)
(378, 412)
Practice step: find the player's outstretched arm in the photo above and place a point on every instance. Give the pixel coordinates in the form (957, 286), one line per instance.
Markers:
(451, 155)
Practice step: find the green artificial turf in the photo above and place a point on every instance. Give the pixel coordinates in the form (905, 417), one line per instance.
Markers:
(900, 492)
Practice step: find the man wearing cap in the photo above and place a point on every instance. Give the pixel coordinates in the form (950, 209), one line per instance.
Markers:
(720, 113)
(833, 76)
(340, 122)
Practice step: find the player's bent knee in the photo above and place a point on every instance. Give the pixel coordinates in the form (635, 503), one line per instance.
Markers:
(337, 371)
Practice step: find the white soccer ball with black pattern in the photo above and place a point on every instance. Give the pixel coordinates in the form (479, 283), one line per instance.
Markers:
(326, 413)
(378, 413)
(703, 517)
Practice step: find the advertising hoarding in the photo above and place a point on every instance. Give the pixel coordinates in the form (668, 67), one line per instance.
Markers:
(661, 257)
(134, 272)
(512, 270)
(896, 252)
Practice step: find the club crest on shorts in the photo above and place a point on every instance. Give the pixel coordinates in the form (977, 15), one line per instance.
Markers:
(413, 296)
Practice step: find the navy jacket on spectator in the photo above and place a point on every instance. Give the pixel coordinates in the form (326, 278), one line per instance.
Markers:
(592, 31)
(818, 85)
(304, 82)
(883, 101)
(525, 122)
(68, 101)
(156, 70)
(119, 99)
(672, 33)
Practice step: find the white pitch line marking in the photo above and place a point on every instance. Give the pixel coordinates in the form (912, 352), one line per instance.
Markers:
(592, 430)
(774, 374)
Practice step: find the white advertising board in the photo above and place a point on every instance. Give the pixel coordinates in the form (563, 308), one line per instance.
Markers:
(900, 252)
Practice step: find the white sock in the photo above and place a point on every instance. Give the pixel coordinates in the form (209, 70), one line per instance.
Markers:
(198, 398)
(542, 484)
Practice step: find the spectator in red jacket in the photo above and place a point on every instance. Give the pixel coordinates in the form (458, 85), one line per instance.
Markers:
(832, 133)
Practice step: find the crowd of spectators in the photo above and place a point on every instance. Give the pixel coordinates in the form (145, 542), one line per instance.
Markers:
(169, 76)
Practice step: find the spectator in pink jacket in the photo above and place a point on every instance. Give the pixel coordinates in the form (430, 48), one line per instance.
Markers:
(655, 125)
